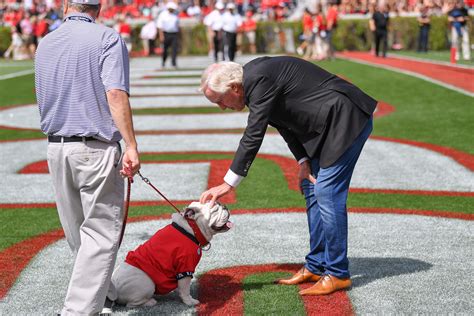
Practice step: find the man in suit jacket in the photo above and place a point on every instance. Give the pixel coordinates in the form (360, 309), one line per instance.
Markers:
(325, 121)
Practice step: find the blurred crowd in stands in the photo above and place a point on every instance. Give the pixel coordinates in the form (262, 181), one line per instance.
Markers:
(30, 20)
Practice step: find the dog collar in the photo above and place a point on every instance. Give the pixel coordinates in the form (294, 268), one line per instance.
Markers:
(185, 233)
(197, 232)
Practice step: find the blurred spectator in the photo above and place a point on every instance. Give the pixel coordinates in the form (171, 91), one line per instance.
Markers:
(424, 25)
(231, 21)
(41, 27)
(307, 36)
(194, 10)
(458, 17)
(148, 36)
(331, 18)
(379, 26)
(214, 23)
(125, 30)
(26, 28)
(248, 29)
(17, 49)
(320, 50)
(168, 26)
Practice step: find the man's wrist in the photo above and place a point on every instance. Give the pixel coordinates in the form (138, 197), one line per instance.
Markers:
(232, 179)
(302, 160)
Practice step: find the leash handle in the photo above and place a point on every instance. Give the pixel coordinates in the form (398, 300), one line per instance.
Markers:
(126, 206)
(147, 181)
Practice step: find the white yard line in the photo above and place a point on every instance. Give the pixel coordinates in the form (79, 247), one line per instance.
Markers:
(17, 74)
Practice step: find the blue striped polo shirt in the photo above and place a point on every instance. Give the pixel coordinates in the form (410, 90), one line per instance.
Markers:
(74, 68)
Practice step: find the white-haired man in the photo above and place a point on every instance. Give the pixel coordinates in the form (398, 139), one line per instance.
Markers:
(325, 121)
(82, 88)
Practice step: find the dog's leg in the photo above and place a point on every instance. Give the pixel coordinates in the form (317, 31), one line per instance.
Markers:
(184, 290)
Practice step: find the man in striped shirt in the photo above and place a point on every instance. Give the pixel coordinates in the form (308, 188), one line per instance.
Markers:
(82, 88)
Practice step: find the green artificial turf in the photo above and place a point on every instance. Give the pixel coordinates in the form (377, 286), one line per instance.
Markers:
(17, 224)
(433, 55)
(17, 91)
(8, 134)
(6, 63)
(12, 69)
(262, 297)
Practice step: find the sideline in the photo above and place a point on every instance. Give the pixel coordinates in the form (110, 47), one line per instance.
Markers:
(431, 61)
(17, 74)
(406, 72)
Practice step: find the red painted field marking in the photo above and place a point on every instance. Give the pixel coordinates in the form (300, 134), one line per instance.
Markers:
(221, 292)
(465, 159)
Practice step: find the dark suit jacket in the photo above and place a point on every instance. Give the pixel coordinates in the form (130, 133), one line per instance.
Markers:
(318, 114)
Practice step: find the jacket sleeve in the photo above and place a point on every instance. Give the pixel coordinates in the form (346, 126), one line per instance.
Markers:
(294, 144)
(262, 95)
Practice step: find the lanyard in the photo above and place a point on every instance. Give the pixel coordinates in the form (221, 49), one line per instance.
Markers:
(79, 18)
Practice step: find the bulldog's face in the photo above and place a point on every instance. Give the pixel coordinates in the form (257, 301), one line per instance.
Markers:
(210, 220)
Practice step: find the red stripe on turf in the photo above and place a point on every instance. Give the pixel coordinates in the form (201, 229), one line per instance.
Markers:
(221, 292)
(15, 258)
(374, 210)
(383, 109)
(465, 159)
(412, 192)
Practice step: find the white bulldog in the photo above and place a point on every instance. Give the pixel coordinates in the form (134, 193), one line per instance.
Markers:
(168, 259)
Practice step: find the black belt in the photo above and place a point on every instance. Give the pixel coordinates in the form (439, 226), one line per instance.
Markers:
(71, 139)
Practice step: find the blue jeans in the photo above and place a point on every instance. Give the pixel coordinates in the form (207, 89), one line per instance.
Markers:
(327, 213)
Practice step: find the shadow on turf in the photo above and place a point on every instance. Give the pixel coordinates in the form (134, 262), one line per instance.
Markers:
(366, 270)
(363, 270)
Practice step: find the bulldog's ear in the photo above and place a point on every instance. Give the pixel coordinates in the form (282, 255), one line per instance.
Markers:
(189, 212)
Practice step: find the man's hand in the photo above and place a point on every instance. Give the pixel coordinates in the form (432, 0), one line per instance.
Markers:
(215, 193)
(130, 163)
(305, 173)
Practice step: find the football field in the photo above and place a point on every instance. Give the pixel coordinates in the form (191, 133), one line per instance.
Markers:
(411, 205)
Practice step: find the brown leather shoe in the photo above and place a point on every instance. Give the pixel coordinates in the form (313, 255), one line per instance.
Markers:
(327, 285)
(302, 276)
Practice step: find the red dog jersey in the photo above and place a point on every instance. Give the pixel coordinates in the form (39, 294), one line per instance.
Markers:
(170, 254)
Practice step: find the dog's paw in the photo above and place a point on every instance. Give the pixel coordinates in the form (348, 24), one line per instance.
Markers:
(190, 301)
(150, 302)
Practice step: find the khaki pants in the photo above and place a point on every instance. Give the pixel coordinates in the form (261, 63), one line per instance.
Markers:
(89, 195)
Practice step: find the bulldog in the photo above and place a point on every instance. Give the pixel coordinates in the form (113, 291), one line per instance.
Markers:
(169, 258)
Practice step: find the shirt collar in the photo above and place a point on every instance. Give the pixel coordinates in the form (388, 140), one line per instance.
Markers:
(85, 15)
